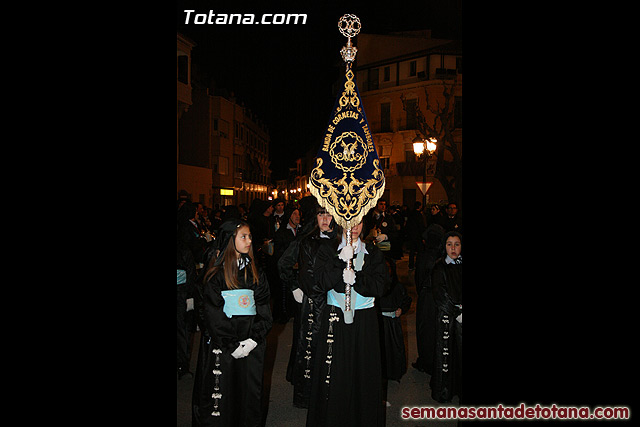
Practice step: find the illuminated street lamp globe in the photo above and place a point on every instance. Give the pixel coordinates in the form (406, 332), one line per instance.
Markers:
(431, 145)
(419, 146)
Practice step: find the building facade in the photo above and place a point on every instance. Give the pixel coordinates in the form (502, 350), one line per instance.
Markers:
(183, 67)
(414, 67)
(223, 150)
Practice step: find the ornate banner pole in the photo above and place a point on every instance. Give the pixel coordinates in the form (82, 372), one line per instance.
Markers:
(349, 26)
(347, 179)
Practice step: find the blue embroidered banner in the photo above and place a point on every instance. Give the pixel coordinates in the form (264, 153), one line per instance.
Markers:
(347, 179)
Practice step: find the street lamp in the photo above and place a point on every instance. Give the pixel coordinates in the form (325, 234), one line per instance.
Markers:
(419, 147)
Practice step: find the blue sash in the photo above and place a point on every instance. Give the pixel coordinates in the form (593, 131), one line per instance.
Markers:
(358, 302)
(239, 302)
(182, 277)
(391, 314)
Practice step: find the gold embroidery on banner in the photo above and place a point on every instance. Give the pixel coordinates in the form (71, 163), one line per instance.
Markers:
(350, 200)
(349, 95)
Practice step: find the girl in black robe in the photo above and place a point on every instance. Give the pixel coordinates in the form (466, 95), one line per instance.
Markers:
(296, 270)
(233, 306)
(347, 377)
(446, 278)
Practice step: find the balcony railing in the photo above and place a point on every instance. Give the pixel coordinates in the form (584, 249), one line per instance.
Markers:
(415, 168)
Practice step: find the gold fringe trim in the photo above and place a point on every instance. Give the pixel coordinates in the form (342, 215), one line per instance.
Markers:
(355, 220)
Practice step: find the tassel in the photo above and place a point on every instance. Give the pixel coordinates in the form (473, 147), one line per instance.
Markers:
(216, 386)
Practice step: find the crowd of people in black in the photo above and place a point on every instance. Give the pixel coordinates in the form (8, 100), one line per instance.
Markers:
(241, 269)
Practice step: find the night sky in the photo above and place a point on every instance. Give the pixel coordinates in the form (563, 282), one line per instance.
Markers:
(285, 73)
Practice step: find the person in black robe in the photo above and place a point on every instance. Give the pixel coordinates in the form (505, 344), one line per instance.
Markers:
(277, 219)
(346, 385)
(433, 215)
(186, 282)
(189, 232)
(233, 306)
(296, 271)
(261, 231)
(263, 248)
(393, 304)
(425, 306)
(413, 233)
(283, 304)
(380, 226)
(446, 380)
(452, 220)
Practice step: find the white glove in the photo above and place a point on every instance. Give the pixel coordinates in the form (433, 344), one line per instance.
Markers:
(349, 276)
(238, 352)
(381, 237)
(189, 304)
(297, 295)
(459, 318)
(248, 345)
(346, 253)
